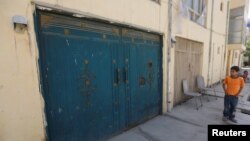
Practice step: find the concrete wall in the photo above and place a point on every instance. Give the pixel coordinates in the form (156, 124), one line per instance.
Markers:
(234, 50)
(237, 3)
(217, 67)
(218, 61)
(142, 13)
(183, 27)
(186, 28)
(21, 103)
(234, 59)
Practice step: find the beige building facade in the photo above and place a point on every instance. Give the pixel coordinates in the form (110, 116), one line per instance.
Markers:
(203, 24)
(237, 32)
(22, 116)
(199, 47)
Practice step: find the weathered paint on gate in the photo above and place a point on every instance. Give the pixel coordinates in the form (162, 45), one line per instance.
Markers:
(98, 79)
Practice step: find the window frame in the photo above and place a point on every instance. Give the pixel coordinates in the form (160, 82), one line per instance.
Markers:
(194, 15)
(157, 1)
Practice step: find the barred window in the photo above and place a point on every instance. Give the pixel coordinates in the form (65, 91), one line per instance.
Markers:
(218, 50)
(195, 8)
(221, 6)
(157, 1)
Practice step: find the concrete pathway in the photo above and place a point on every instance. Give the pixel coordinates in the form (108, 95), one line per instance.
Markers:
(185, 122)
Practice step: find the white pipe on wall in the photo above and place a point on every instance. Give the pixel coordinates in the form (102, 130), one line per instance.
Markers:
(169, 44)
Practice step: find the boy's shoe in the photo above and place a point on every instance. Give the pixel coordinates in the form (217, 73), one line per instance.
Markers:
(225, 118)
(233, 120)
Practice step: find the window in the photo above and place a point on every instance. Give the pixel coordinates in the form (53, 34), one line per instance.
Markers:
(218, 50)
(196, 9)
(236, 54)
(157, 1)
(236, 26)
(221, 6)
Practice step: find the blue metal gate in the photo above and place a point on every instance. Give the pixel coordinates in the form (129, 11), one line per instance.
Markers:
(144, 79)
(98, 79)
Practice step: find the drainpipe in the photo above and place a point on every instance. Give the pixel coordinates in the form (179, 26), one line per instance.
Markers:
(169, 44)
(210, 43)
(226, 40)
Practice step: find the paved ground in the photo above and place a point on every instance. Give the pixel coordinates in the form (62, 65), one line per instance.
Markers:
(185, 122)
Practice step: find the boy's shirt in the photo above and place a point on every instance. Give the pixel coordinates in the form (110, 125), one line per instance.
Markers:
(233, 85)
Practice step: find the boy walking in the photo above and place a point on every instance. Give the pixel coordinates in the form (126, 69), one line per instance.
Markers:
(232, 86)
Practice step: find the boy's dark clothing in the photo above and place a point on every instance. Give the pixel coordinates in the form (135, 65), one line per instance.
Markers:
(230, 103)
(233, 87)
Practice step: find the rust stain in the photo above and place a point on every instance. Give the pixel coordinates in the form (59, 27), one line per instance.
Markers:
(45, 19)
(124, 31)
(86, 61)
(115, 31)
(66, 31)
(88, 87)
(83, 25)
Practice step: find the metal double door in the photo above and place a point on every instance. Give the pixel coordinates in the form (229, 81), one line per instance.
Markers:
(98, 79)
